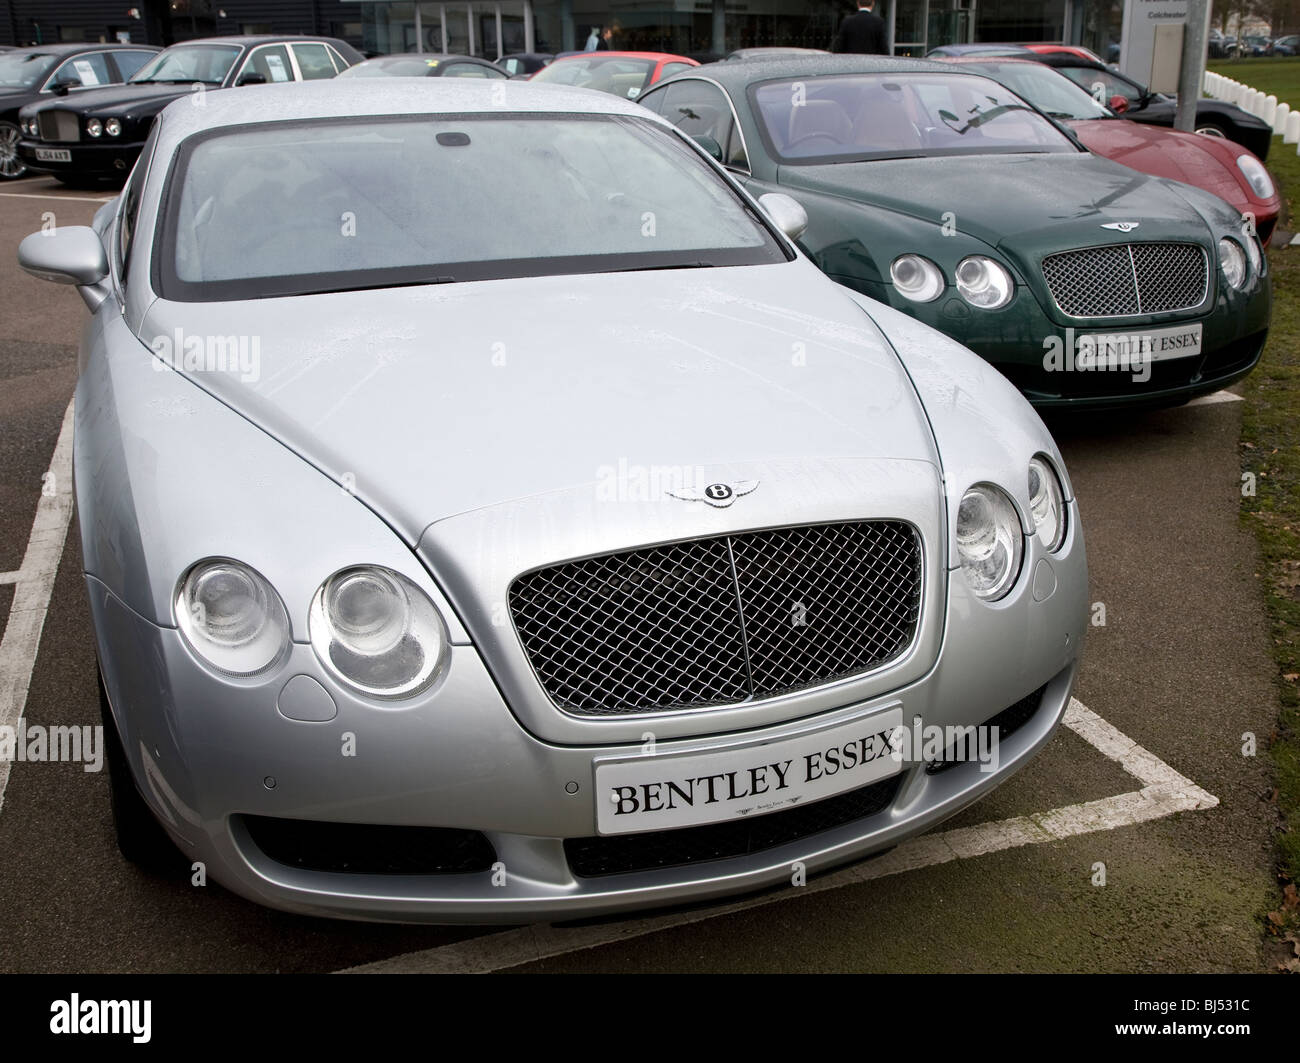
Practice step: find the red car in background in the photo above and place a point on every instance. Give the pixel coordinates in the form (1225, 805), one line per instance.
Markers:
(1214, 164)
(1048, 48)
(624, 74)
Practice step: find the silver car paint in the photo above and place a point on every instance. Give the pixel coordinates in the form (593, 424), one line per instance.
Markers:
(173, 466)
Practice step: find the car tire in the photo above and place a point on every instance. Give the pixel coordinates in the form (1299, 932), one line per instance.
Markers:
(11, 166)
(1212, 129)
(140, 837)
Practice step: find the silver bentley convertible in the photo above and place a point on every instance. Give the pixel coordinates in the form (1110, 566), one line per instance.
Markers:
(489, 514)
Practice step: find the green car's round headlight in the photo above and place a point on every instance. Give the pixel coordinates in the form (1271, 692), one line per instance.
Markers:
(113, 127)
(377, 632)
(989, 541)
(984, 283)
(1255, 253)
(94, 127)
(1232, 259)
(916, 278)
(1046, 503)
(231, 617)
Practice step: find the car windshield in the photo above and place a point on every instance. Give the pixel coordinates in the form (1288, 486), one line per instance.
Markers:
(1103, 84)
(403, 67)
(22, 70)
(186, 63)
(1042, 86)
(620, 75)
(298, 207)
(845, 118)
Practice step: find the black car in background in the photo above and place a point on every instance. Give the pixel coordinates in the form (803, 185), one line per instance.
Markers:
(1213, 117)
(1220, 47)
(95, 135)
(43, 72)
(524, 64)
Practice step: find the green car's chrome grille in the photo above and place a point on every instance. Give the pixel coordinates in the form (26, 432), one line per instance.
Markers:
(1124, 280)
(720, 620)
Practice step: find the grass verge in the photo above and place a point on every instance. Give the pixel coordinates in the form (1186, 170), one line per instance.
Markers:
(1270, 453)
(1278, 76)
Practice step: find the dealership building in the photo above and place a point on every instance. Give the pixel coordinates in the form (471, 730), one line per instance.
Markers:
(493, 27)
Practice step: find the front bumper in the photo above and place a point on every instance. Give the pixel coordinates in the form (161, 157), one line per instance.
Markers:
(208, 753)
(1015, 340)
(98, 159)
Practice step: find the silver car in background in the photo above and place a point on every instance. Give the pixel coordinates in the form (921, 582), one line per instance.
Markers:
(489, 514)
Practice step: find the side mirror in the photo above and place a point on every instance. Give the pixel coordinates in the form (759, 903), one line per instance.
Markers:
(72, 254)
(710, 145)
(64, 85)
(1118, 103)
(786, 213)
(251, 78)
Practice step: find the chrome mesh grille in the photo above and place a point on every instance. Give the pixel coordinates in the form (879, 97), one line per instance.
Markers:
(721, 620)
(1169, 276)
(1121, 280)
(59, 125)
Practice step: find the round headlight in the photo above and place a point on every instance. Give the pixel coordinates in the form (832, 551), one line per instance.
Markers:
(113, 127)
(989, 541)
(916, 278)
(94, 128)
(984, 283)
(231, 617)
(29, 126)
(1233, 261)
(1046, 503)
(1256, 176)
(377, 632)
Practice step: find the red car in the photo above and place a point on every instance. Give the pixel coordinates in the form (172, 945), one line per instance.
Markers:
(1068, 49)
(1217, 165)
(625, 74)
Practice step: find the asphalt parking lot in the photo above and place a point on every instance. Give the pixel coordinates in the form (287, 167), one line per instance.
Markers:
(1139, 840)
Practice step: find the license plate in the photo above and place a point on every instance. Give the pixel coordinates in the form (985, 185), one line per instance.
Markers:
(681, 790)
(53, 155)
(1147, 345)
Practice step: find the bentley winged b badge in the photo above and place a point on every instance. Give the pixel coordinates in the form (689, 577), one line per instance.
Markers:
(718, 495)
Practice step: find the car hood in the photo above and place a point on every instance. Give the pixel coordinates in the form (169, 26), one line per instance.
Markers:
(119, 98)
(1038, 203)
(433, 401)
(1207, 162)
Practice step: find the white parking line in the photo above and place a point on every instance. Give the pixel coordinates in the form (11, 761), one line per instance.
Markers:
(1164, 792)
(1215, 399)
(32, 589)
(61, 199)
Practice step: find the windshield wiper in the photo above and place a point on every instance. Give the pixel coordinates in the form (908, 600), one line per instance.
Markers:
(676, 265)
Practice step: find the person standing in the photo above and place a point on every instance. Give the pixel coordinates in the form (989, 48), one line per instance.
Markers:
(593, 42)
(862, 33)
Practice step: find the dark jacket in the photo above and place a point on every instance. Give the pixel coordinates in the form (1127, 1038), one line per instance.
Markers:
(863, 34)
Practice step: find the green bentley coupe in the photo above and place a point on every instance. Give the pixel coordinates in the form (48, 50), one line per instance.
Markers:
(947, 196)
